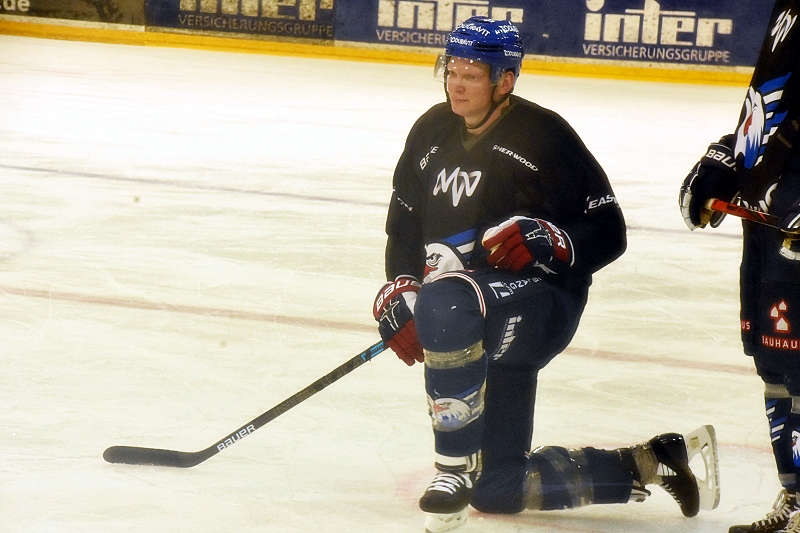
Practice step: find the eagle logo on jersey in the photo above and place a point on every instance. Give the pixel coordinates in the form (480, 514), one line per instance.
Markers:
(458, 182)
(441, 257)
(795, 448)
(431, 264)
(760, 120)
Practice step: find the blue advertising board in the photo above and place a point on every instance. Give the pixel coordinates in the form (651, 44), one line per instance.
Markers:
(711, 32)
(690, 32)
(675, 31)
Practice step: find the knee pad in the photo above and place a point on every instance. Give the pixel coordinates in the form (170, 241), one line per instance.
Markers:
(455, 372)
(448, 316)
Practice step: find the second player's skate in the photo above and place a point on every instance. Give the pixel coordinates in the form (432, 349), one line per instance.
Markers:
(776, 520)
(793, 525)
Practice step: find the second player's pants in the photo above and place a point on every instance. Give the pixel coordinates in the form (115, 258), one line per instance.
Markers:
(770, 317)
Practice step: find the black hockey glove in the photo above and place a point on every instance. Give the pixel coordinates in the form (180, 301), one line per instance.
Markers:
(790, 224)
(714, 176)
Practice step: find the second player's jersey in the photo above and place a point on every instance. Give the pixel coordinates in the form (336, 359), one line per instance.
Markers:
(449, 188)
(767, 130)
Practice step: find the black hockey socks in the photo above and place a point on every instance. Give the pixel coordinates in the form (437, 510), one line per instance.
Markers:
(559, 478)
(783, 414)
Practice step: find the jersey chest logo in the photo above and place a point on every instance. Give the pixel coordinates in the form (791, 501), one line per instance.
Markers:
(761, 120)
(457, 183)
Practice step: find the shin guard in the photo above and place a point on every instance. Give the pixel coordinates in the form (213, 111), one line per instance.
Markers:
(450, 326)
(456, 401)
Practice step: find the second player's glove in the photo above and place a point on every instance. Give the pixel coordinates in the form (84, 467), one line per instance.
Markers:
(791, 221)
(520, 243)
(714, 176)
(790, 224)
(394, 311)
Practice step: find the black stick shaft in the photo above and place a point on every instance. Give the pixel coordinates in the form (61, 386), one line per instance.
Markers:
(136, 455)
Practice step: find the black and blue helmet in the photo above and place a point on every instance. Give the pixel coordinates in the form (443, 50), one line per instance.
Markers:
(494, 42)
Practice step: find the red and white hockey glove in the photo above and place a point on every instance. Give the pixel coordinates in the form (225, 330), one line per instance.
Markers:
(520, 243)
(394, 311)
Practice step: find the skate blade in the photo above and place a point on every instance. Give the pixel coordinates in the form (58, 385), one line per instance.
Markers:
(437, 523)
(702, 442)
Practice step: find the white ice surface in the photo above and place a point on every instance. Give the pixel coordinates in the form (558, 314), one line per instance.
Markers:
(189, 237)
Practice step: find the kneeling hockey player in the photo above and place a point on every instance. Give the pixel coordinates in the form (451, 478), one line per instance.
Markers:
(498, 218)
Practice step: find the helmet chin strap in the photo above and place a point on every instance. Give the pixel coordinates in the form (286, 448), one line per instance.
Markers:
(492, 109)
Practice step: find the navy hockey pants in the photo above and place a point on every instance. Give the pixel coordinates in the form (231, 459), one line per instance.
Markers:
(523, 322)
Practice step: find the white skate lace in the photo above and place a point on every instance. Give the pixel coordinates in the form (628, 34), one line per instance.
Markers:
(666, 475)
(449, 482)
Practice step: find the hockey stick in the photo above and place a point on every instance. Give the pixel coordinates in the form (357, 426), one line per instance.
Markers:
(715, 204)
(134, 455)
(787, 249)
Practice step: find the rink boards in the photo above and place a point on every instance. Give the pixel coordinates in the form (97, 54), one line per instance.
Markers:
(679, 40)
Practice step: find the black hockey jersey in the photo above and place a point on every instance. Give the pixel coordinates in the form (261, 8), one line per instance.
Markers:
(449, 189)
(767, 130)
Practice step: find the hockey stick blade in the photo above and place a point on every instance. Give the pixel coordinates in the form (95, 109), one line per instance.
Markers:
(715, 204)
(135, 455)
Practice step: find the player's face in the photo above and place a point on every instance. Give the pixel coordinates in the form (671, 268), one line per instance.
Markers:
(469, 87)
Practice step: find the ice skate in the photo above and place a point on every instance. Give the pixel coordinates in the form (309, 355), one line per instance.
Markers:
(793, 525)
(777, 520)
(665, 461)
(445, 501)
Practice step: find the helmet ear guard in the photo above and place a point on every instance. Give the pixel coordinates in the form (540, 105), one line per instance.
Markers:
(440, 67)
